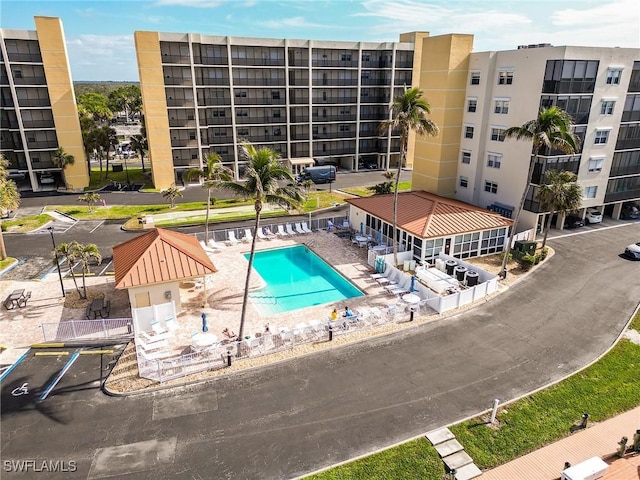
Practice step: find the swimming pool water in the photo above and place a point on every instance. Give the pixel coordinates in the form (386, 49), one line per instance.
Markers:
(297, 278)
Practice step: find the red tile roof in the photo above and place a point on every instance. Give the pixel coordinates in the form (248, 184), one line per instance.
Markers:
(427, 215)
(159, 256)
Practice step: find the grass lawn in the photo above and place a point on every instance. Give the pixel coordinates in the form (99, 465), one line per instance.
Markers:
(7, 262)
(609, 387)
(635, 323)
(365, 192)
(135, 176)
(25, 224)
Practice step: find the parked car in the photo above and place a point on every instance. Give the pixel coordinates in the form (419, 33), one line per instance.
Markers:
(593, 215)
(571, 221)
(629, 212)
(633, 251)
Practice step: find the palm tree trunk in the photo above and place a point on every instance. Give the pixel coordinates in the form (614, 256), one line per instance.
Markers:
(547, 227)
(403, 154)
(3, 249)
(84, 283)
(206, 218)
(245, 297)
(503, 269)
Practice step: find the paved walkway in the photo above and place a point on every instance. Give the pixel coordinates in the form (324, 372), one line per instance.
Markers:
(599, 440)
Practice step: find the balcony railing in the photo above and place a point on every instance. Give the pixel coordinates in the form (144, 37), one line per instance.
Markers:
(182, 142)
(30, 81)
(335, 100)
(335, 82)
(376, 64)
(185, 82)
(181, 122)
(265, 138)
(259, 101)
(215, 121)
(197, 60)
(298, 62)
(334, 63)
(25, 57)
(179, 59)
(299, 82)
(334, 118)
(374, 99)
(333, 135)
(34, 102)
(216, 140)
(42, 144)
(212, 81)
(29, 124)
(620, 171)
(260, 120)
(628, 144)
(180, 102)
(259, 82)
(376, 81)
(259, 62)
(208, 101)
(621, 196)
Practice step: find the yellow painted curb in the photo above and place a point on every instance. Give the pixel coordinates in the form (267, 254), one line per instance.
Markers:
(48, 345)
(95, 352)
(50, 354)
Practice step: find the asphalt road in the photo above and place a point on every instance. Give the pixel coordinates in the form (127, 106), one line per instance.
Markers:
(300, 415)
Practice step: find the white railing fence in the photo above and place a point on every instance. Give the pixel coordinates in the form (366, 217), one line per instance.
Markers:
(105, 328)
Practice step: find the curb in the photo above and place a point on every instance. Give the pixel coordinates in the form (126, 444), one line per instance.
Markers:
(78, 344)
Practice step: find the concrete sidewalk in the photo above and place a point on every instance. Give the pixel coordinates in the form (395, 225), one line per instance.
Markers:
(599, 440)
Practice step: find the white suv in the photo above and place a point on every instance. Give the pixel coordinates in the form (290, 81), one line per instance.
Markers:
(593, 215)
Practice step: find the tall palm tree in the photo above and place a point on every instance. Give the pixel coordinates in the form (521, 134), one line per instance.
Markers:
(61, 159)
(560, 193)
(83, 254)
(408, 113)
(551, 129)
(212, 174)
(66, 251)
(139, 145)
(172, 193)
(263, 176)
(9, 199)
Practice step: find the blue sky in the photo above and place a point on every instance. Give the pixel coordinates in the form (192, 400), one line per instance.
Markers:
(99, 34)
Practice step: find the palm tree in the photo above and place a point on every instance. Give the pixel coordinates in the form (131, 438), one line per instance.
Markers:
(90, 198)
(551, 129)
(139, 145)
(84, 254)
(560, 193)
(212, 174)
(9, 199)
(263, 176)
(408, 113)
(60, 160)
(66, 251)
(172, 193)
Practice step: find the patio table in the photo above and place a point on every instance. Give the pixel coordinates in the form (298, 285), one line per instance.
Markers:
(204, 339)
(13, 299)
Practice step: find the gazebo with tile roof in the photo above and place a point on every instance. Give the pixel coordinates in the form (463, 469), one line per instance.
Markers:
(152, 265)
(429, 224)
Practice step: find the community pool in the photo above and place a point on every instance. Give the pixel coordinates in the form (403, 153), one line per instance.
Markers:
(296, 278)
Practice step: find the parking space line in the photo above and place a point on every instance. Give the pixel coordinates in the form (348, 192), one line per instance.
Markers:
(105, 267)
(96, 352)
(61, 373)
(584, 232)
(13, 366)
(97, 226)
(50, 354)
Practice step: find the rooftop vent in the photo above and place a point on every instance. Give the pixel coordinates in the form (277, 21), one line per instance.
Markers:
(534, 45)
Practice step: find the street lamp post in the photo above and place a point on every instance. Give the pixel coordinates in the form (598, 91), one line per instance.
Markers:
(55, 251)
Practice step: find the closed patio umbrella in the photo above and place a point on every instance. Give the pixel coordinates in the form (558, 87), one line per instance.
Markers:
(205, 329)
(412, 287)
(361, 229)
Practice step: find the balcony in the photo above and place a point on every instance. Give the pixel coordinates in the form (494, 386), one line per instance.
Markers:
(217, 140)
(375, 81)
(260, 82)
(41, 145)
(404, 64)
(25, 57)
(215, 121)
(210, 101)
(298, 82)
(260, 120)
(184, 142)
(30, 81)
(335, 100)
(335, 82)
(627, 144)
(373, 64)
(184, 82)
(621, 196)
(299, 100)
(374, 99)
(333, 135)
(334, 151)
(182, 122)
(259, 62)
(180, 102)
(212, 81)
(298, 62)
(334, 118)
(34, 102)
(177, 59)
(380, 116)
(264, 138)
(197, 60)
(31, 124)
(259, 101)
(334, 63)
(300, 136)
(627, 170)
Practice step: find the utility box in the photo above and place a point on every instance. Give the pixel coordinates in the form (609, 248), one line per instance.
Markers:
(116, 167)
(590, 469)
(522, 248)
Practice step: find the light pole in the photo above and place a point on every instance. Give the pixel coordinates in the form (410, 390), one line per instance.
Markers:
(55, 251)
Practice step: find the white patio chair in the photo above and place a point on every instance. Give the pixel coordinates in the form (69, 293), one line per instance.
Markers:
(205, 247)
(281, 232)
(261, 236)
(248, 237)
(268, 233)
(216, 246)
(231, 238)
(299, 229)
(156, 327)
(290, 230)
(305, 228)
(171, 324)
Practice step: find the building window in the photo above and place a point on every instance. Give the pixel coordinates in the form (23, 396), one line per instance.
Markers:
(241, 94)
(497, 134)
(595, 164)
(472, 105)
(276, 113)
(464, 182)
(494, 160)
(466, 157)
(490, 187)
(275, 95)
(243, 113)
(613, 76)
(602, 136)
(468, 132)
(590, 192)
(607, 106)
(475, 78)
(344, 128)
(505, 78)
(345, 57)
(502, 107)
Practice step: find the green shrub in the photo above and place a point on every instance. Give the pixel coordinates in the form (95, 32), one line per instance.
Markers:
(527, 261)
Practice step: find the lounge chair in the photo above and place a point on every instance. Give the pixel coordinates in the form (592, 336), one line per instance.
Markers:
(214, 245)
(299, 229)
(171, 324)
(265, 234)
(290, 230)
(205, 247)
(248, 237)
(156, 327)
(149, 339)
(281, 231)
(260, 234)
(231, 238)
(305, 228)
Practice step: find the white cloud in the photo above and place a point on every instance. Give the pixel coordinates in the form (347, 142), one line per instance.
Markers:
(190, 3)
(292, 22)
(613, 13)
(97, 57)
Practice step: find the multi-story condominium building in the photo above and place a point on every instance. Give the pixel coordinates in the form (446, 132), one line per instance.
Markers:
(308, 100)
(38, 110)
(598, 87)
